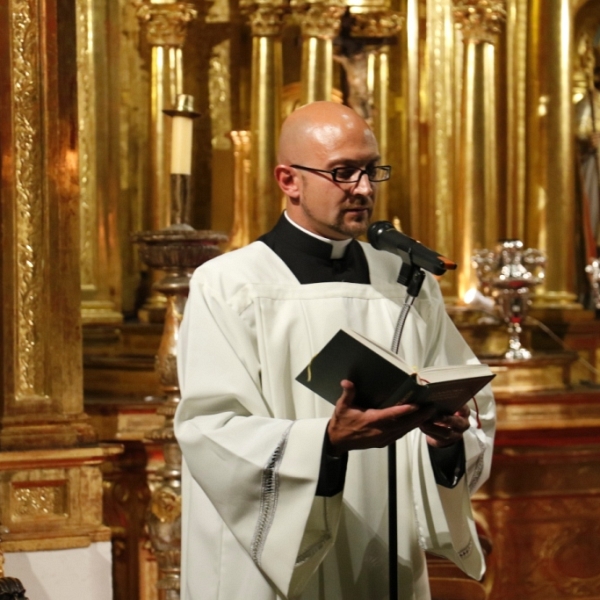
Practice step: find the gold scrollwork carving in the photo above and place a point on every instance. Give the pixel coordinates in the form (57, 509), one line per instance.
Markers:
(583, 71)
(380, 23)
(166, 23)
(266, 18)
(480, 20)
(166, 367)
(39, 501)
(28, 189)
(87, 130)
(320, 19)
(166, 505)
(220, 95)
(219, 12)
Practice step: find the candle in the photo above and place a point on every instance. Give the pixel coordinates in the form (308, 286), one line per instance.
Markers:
(181, 145)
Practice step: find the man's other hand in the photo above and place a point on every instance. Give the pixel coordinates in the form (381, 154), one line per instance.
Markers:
(447, 430)
(355, 428)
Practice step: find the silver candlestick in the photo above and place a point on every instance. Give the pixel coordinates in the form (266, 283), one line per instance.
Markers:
(508, 274)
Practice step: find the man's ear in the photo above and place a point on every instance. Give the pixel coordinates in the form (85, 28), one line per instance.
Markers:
(287, 181)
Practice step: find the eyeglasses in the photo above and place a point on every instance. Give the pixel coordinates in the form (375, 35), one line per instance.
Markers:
(353, 174)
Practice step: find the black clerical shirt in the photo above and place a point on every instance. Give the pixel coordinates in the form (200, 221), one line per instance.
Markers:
(309, 259)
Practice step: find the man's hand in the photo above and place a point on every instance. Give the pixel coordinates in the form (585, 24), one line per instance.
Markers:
(353, 428)
(447, 430)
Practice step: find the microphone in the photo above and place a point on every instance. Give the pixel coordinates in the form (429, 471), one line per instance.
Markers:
(384, 236)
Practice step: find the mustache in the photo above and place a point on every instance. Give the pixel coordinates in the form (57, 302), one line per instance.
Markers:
(359, 201)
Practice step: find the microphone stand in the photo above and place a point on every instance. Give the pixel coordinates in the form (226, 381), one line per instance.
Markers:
(416, 259)
(412, 277)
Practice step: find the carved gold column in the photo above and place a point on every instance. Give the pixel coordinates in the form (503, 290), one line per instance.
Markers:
(98, 172)
(550, 222)
(242, 197)
(166, 28)
(380, 27)
(432, 101)
(320, 22)
(50, 481)
(379, 66)
(516, 93)
(477, 201)
(266, 19)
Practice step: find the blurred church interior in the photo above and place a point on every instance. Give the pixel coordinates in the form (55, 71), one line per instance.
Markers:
(488, 112)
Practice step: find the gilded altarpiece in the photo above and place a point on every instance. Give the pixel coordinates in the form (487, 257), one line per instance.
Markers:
(49, 460)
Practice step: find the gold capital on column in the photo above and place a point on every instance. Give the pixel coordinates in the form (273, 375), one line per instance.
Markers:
(319, 19)
(480, 20)
(166, 24)
(266, 18)
(377, 23)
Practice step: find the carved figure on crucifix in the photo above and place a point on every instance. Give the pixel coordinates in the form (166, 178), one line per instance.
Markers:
(354, 58)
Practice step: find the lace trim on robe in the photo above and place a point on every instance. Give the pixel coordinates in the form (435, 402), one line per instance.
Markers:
(478, 467)
(269, 495)
(466, 550)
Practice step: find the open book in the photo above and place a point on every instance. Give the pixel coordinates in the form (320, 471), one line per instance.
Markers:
(382, 379)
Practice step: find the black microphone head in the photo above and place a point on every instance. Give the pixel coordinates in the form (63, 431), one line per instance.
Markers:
(375, 230)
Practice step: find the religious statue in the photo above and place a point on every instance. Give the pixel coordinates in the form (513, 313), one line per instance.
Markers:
(588, 141)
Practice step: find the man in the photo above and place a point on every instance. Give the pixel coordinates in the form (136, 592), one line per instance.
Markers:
(284, 496)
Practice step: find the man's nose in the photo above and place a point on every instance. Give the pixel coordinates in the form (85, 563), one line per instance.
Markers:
(364, 185)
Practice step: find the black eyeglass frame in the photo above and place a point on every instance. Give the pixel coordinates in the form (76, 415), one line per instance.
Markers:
(387, 169)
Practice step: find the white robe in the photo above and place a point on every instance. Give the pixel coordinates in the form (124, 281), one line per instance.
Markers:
(252, 437)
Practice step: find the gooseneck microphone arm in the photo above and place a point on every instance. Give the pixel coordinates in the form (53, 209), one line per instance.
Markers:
(416, 259)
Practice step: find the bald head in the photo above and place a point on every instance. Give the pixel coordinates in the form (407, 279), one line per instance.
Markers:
(320, 128)
(317, 141)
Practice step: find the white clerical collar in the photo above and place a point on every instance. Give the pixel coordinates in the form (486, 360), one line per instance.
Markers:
(338, 247)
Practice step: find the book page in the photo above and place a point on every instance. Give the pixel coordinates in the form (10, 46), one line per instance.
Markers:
(453, 372)
(384, 352)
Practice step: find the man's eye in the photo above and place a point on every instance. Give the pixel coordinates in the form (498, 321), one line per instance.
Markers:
(344, 173)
